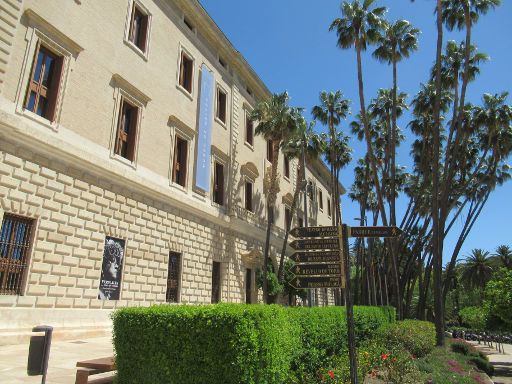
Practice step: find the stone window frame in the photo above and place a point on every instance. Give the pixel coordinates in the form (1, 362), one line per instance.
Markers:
(125, 91)
(143, 9)
(29, 213)
(180, 275)
(219, 157)
(247, 111)
(41, 32)
(178, 128)
(221, 89)
(247, 179)
(184, 51)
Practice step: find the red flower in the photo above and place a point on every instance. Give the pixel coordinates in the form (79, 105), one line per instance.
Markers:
(331, 374)
(384, 356)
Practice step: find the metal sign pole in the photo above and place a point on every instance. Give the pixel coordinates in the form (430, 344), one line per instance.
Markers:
(344, 234)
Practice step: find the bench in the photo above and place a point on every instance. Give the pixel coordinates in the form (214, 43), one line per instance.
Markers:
(87, 368)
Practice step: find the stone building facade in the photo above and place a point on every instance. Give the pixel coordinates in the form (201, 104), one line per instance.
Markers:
(100, 105)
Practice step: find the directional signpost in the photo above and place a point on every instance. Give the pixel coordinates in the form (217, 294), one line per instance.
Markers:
(321, 261)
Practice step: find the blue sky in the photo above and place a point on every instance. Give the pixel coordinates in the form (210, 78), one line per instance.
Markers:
(288, 44)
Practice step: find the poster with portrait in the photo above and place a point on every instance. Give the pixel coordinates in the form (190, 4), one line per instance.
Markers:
(112, 269)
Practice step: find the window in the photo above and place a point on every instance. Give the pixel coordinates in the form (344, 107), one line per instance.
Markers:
(218, 184)
(126, 130)
(310, 189)
(179, 174)
(43, 89)
(139, 27)
(286, 167)
(188, 24)
(287, 217)
(173, 278)
(249, 130)
(270, 151)
(222, 62)
(248, 286)
(320, 199)
(15, 237)
(301, 222)
(186, 72)
(221, 105)
(328, 207)
(248, 196)
(216, 282)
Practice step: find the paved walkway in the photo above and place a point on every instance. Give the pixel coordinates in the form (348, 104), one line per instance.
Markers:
(62, 365)
(502, 362)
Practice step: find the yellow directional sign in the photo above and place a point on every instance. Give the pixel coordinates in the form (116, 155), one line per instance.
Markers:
(315, 244)
(316, 257)
(314, 232)
(374, 232)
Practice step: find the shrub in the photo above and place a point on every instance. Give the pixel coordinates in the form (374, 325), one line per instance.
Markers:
(204, 344)
(324, 331)
(460, 347)
(415, 336)
(229, 343)
(483, 365)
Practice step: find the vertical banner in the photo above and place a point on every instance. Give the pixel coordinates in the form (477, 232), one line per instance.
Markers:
(111, 269)
(205, 130)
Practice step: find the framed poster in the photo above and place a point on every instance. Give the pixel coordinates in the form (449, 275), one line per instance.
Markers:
(111, 269)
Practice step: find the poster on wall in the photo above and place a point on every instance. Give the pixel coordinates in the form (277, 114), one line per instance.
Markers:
(111, 269)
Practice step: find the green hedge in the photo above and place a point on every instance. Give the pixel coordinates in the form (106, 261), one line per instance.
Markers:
(416, 336)
(230, 343)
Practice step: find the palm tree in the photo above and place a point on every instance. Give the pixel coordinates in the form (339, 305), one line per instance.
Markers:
(358, 27)
(304, 142)
(331, 110)
(397, 42)
(476, 270)
(276, 121)
(504, 253)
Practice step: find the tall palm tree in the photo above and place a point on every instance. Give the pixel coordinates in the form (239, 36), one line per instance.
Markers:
(303, 142)
(504, 253)
(477, 270)
(276, 121)
(358, 27)
(398, 41)
(331, 110)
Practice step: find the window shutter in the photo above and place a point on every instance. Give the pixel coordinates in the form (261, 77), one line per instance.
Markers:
(144, 33)
(132, 136)
(54, 88)
(220, 183)
(183, 162)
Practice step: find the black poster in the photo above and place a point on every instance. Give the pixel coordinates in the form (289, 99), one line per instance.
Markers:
(112, 269)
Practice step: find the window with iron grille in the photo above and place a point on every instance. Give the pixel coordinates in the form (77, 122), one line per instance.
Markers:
(329, 207)
(320, 199)
(15, 237)
(173, 278)
(43, 88)
(248, 286)
(216, 282)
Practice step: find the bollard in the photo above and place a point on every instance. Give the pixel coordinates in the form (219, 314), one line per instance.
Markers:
(39, 352)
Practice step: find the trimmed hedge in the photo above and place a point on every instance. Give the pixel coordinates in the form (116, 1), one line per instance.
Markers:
(231, 343)
(416, 336)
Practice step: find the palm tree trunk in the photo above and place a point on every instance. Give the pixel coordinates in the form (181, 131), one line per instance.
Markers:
(437, 244)
(293, 208)
(371, 156)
